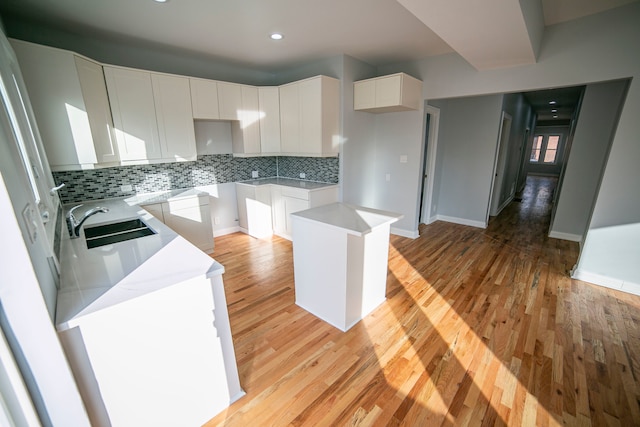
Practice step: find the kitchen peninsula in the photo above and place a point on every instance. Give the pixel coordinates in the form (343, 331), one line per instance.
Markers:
(144, 323)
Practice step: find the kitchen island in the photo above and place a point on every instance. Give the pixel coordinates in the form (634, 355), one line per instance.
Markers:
(144, 323)
(340, 255)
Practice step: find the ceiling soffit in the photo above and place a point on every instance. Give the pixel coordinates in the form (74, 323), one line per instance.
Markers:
(488, 34)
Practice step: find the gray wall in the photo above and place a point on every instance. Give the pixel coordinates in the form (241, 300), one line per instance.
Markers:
(358, 138)
(591, 49)
(396, 135)
(522, 116)
(467, 142)
(593, 135)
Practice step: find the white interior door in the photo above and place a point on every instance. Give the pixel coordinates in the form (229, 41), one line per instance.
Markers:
(432, 120)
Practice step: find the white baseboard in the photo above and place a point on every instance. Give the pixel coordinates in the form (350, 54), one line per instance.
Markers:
(565, 236)
(607, 282)
(597, 279)
(224, 231)
(504, 205)
(462, 221)
(431, 220)
(405, 233)
(631, 288)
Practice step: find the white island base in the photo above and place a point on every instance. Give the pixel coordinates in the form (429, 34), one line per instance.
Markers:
(340, 255)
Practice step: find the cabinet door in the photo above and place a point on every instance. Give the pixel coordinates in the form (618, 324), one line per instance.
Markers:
(269, 101)
(229, 100)
(364, 94)
(134, 115)
(277, 210)
(204, 99)
(250, 120)
(310, 117)
(172, 98)
(292, 205)
(243, 193)
(289, 118)
(96, 101)
(56, 97)
(191, 222)
(388, 91)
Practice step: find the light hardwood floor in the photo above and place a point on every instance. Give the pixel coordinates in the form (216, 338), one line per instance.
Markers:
(480, 327)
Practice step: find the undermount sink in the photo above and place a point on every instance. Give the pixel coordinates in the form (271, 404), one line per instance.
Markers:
(106, 234)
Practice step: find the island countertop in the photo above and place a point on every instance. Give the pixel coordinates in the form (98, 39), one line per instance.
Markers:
(98, 278)
(356, 220)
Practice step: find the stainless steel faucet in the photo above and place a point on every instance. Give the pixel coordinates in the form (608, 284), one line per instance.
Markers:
(74, 224)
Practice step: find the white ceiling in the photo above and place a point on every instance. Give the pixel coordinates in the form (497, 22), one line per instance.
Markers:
(375, 31)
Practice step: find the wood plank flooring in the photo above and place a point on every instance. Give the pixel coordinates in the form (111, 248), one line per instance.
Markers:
(480, 328)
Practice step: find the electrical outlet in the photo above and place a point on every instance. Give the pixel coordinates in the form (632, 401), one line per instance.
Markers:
(254, 174)
(127, 188)
(303, 175)
(388, 177)
(216, 220)
(403, 158)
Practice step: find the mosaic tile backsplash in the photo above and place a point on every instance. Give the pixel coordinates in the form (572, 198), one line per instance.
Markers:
(105, 183)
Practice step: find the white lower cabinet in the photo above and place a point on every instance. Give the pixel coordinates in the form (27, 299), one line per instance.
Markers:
(189, 217)
(291, 199)
(254, 209)
(266, 209)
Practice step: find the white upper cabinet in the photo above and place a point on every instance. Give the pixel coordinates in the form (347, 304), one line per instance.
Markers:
(395, 92)
(289, 118)
(269, 101)
(134, 114)
(172, 98)
(152, 115)
(204, 99)
(70, 103)
(96, 101)
(245, 130)
(309, 117)
(229, 100)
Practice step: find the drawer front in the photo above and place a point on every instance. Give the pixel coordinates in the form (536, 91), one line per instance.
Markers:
(297, 193)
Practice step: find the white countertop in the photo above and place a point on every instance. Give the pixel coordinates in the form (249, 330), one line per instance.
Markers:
(98, 278)
(356, 220)
(288, 182)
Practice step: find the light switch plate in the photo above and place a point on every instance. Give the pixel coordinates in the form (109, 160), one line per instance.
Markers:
(254, 174)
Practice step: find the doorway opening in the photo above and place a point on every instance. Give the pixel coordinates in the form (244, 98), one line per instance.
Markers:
(427, 209)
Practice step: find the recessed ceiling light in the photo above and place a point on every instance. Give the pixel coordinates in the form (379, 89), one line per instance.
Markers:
(555, 116)
(276, 36)
(554, 110)
(160, 1)
(552, 102)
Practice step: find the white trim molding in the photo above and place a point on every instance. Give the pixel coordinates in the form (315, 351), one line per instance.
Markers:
(462, 221)
(228, 230)
(405, 233)
(607, 282)
(565, 236)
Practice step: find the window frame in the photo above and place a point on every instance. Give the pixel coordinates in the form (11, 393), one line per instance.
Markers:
(542, 151)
